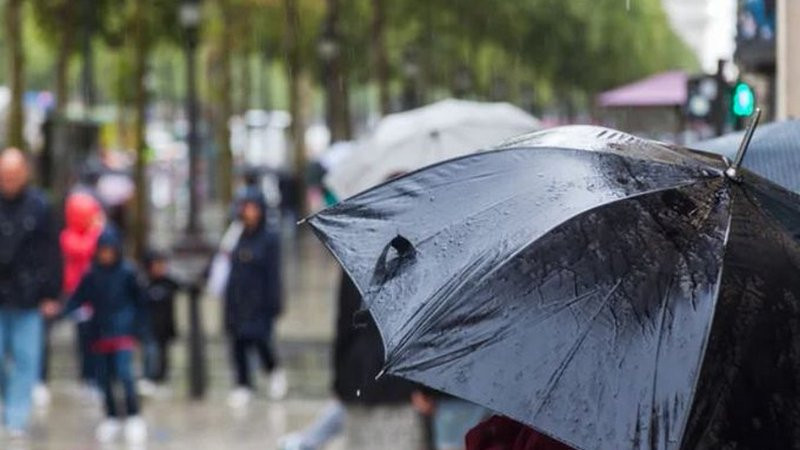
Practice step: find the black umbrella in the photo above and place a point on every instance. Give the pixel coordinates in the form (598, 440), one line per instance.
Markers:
(617, 293)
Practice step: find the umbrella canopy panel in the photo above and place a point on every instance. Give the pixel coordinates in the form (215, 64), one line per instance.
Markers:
(618, 295)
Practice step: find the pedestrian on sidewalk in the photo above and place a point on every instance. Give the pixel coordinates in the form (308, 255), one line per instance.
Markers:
(253, 301)
(30, 281)
(83, 217)
(160, 294)
(112, 290)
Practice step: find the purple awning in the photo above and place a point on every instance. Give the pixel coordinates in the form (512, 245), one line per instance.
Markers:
(664, 89)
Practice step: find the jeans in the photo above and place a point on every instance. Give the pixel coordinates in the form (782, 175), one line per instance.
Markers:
(21, 343)
(328, 425)
(453, 419)
(114, 368)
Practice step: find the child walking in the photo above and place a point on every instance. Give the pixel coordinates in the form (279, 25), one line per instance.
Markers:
(160, 302)
(111, 289)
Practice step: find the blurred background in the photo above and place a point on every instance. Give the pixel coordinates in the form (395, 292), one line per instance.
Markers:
(170, 102)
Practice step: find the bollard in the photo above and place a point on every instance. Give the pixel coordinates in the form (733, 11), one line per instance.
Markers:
(198, 376)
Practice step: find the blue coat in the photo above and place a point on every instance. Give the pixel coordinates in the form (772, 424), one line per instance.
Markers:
(116, 297)
(253, 297)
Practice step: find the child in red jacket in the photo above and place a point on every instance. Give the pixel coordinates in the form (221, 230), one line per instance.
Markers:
(84, 222)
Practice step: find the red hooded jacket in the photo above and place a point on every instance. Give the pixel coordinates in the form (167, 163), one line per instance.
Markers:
(83, 217)
(502, 433)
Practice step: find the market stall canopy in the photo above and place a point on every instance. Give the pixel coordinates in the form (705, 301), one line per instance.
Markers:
(664, 89)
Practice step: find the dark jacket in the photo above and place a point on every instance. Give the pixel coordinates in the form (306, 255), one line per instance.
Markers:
(253, 296)
(160, 303)
(114, 294)
(358, 356)
(30, 258)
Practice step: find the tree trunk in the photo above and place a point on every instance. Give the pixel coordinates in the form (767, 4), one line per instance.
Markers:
(334, 77)
(295, 69)
(225, 168)
(379, 55)
(16, 65)
(247, 82)
(140, 51)
(62, 59)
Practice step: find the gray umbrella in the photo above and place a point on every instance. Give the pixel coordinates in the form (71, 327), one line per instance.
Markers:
(774, 152)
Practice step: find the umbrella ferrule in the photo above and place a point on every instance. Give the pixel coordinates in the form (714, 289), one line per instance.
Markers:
(733, 169)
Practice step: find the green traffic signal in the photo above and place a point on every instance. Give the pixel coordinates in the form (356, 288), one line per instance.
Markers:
(744, 100)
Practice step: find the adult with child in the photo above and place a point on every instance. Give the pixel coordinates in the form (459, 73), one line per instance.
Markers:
(30, 280)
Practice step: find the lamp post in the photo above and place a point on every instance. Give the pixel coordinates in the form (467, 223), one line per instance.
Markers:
(411, 71)
(190, 22)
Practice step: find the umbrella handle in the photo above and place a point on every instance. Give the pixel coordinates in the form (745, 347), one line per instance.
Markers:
(732, 169)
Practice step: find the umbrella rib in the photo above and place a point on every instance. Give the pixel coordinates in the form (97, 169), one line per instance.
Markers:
(661, 330)
(562, 367)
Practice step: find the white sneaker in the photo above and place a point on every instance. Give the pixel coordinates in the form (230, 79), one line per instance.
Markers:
(107, 431)
(278, 385)
(41, 396)
(240, 397)
(135, 430)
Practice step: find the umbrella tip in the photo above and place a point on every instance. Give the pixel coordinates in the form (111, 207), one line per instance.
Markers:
(732, 170)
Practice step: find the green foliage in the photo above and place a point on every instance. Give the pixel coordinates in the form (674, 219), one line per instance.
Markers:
(552, 47)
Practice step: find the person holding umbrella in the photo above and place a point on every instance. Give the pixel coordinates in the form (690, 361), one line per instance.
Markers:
(632, 295)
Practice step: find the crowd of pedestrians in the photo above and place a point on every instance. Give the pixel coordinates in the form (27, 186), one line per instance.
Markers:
(79, 273)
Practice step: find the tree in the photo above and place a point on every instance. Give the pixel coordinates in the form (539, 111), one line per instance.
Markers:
(380, 58)
(16, 75)
(56, 18)
(294, 66)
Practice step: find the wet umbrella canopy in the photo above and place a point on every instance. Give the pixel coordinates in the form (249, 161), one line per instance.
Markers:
(610, 291)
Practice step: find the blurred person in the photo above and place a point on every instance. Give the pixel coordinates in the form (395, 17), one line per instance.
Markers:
(379, 413)
(159, 294)
(449, 417)
(30, 281)
(253, 301)
(112, 290)
(83, 217)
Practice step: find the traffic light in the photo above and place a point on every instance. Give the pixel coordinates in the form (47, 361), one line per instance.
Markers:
(702, 93)
(743, 100)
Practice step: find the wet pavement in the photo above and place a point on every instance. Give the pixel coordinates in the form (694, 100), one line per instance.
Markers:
(175, 421)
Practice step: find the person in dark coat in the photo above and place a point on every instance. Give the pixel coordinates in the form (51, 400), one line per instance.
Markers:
(30, 281)
(160, 302)
(253, 300)
(375, 409)
(112, 290)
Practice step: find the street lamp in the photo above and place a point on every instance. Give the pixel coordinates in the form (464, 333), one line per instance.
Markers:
(411, 71)
(190, 15)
